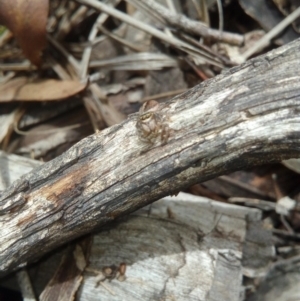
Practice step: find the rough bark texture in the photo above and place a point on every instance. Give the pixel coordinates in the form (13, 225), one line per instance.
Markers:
(184, 248)
(247, 116)
(189, 248)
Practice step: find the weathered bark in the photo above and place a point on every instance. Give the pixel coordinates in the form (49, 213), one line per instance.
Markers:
(189, 248)
(184, 248)
(191, 241)
(247, 116)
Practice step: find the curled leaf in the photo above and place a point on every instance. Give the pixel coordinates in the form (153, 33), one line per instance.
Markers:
(27, 20)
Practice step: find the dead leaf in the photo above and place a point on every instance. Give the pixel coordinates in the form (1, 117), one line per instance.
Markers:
(27, 20)
(292, 164)
(26, 89)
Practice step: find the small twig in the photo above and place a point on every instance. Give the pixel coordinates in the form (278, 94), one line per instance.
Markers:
(5, 37)
(137, 61)
(50, 131)
(58, 69)
(100, 279)
(202, 11)
(286, 233)
(25, 285)
(69, 21)
(286, 224)
(120, 40)
(93, 105)
(25, 66)
(15, 116)
(171, 6)
(285, 262)
(70, 58)
(197, 70)
(265, 40)
(211, 54)
(257, 203)
(88, 50)
(221, 18)
(147, 28)
(195, 27)
(162, 95)
(148, 11)
(107, 287)
(9, 75)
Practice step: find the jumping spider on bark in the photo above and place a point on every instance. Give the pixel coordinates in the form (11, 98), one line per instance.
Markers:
(151, 124)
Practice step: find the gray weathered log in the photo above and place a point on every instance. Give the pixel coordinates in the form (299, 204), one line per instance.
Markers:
(230, 230)
(247, 116)
(188, 247)
(200, 239)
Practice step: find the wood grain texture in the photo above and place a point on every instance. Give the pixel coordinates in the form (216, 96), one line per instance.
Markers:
(184, 248)
(247, 116)
(188, 248)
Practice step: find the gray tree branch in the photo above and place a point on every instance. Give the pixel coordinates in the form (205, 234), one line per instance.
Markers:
(247, 116)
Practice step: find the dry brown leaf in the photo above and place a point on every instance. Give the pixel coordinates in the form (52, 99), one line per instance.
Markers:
(27, 20)
(25, 89)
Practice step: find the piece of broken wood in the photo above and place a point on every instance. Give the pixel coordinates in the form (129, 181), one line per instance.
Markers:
(182, 246)
(247, 116)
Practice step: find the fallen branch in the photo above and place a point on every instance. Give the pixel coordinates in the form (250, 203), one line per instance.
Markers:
(244, 117)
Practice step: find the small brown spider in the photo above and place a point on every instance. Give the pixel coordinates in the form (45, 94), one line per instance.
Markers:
(151, 124)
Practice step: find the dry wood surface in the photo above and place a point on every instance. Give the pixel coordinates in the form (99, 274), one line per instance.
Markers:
(247, 116)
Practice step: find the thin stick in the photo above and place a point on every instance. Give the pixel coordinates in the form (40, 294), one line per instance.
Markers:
(221, 19)
(164, 94)
(120, 40)
(265, 40)
(171, 6)
(25, 285)
(147, 28)
(70, 58)
(180, 21)
(92, 36)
